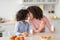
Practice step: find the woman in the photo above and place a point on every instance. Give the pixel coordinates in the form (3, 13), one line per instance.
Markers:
(37, 19)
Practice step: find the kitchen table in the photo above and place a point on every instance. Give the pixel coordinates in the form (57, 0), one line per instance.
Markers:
(55, 36)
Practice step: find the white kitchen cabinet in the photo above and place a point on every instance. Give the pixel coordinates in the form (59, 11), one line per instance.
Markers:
(51, 0)
(25, 2)
(33, 0)
(39, 0)
(49, 7)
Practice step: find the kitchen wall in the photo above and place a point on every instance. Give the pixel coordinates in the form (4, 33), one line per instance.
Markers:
(57, 9)
(8, 8)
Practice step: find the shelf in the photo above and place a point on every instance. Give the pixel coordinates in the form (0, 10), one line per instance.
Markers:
(51, 0)
(27, 3)
(39, 0)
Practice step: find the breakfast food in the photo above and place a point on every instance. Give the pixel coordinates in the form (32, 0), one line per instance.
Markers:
(17, 38)
(49, 37)
(13, 37)
(45, 37)
(21, 38)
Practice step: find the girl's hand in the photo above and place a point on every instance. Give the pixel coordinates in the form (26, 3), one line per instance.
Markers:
(25, 34)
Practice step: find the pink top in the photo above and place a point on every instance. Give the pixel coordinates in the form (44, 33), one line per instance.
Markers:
(35, 23)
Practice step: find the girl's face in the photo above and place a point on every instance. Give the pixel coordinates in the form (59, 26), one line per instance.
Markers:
(26, 17)
(30, 15)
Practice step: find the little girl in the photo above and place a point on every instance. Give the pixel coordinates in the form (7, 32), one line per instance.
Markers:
(21, 25)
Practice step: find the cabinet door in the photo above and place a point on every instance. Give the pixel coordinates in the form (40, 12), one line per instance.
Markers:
(40, 0)
(45, 7)
(25, 0)
(30, 0)
(48, 7)
(51, 0)
(34, 0)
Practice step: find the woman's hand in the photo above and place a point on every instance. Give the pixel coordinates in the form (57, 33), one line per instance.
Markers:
(53, 31)
(37, 31)
(42, 25)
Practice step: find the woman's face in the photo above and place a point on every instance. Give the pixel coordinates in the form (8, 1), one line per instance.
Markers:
(30, 15)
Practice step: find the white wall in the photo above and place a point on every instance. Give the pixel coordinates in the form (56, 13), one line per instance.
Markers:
(57, 9)
(8, 8)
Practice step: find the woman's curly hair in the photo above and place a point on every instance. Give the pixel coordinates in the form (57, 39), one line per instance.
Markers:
(36, 11)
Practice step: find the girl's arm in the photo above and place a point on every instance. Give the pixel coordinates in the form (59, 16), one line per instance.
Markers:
(28, 28)
(16, 29)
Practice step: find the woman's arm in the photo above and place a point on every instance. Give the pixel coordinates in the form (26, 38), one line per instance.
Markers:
(42, 25)
(48, 24)
(33, 26)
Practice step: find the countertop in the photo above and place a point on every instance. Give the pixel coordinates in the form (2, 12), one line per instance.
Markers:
(55, 36)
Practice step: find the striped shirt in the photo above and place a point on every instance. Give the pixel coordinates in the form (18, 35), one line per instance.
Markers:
(35, 23)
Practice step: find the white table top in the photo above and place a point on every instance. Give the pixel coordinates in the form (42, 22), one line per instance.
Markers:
(55, 36)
